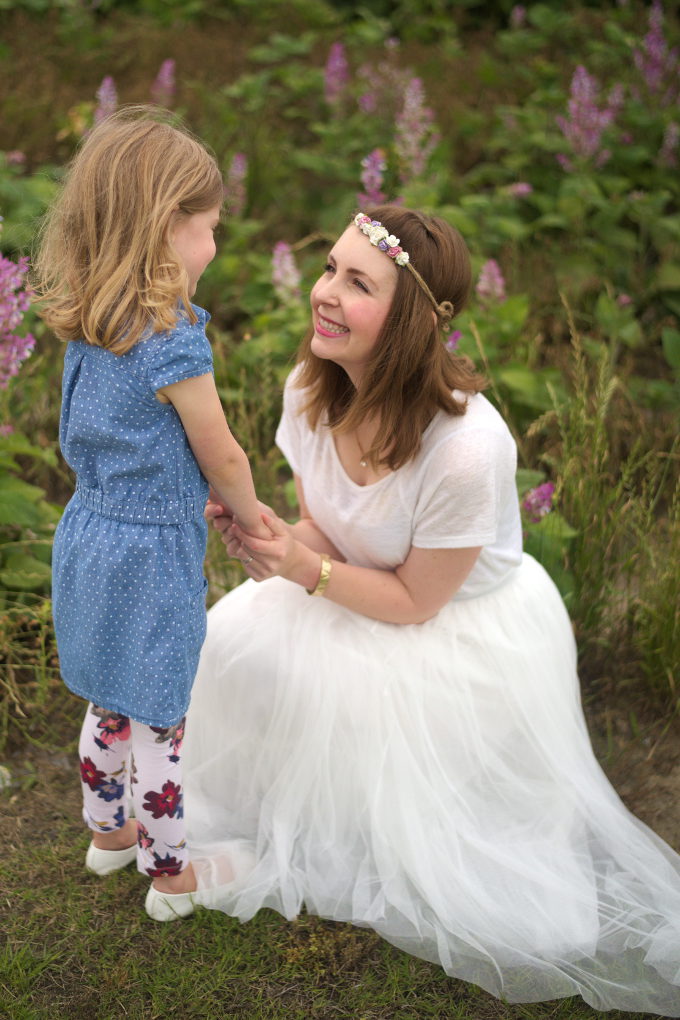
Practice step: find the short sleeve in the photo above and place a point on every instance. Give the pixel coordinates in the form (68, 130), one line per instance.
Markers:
(467, 481)
(183, 353)
(293, 424)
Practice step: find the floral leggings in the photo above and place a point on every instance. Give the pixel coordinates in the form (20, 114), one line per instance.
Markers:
(118, 754)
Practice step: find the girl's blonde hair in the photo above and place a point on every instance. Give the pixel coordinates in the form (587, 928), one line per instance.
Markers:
(410, 375)
(106, 270)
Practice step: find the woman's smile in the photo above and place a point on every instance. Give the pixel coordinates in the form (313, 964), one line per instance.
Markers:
(326, 327)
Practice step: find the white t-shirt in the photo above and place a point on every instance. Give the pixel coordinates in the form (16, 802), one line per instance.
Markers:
(459, 491)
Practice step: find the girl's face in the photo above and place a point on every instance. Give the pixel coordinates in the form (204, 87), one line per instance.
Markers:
(193, 238)
(350, 302)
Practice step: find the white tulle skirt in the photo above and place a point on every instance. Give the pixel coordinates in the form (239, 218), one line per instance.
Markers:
(434, 782)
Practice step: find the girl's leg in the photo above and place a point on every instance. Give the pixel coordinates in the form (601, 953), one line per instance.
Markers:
(158, 799)
(104, 752)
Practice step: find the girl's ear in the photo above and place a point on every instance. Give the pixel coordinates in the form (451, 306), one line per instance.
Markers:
(172, 223)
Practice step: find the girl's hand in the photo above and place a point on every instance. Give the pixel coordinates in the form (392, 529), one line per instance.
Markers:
(275, 557)
(220, 515)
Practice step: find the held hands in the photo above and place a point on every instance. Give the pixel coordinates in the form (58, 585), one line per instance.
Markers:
(261, 557)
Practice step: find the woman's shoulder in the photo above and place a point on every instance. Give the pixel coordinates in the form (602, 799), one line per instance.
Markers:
(480, 436)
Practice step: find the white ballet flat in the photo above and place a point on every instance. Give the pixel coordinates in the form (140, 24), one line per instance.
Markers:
(169, 906)
(104, 862)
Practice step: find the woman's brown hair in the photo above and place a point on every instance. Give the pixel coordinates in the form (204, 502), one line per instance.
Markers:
(106, 270)
(410, 375)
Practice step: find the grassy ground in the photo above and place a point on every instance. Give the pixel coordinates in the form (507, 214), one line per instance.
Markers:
(78, 946)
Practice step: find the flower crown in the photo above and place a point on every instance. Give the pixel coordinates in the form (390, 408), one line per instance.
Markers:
(381, 238)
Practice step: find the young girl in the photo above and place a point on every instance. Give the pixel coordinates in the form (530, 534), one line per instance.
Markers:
(143, 429)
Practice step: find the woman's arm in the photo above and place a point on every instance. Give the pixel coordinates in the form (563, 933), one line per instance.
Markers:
(412, 593)
(222, 461)
(305, 529)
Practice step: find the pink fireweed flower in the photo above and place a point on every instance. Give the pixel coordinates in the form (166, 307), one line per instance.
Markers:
(385, 84)
(453, 339)
(658, 64)
(6, 430)
(518, 16)
(668, 153)
(373, 168)
(15, 298)
(586, 123)
(415, 136)
(336, 75)
(235, 188)
(285, 273)
(163, 88)
(490, 285)
(107, 99)
(15, 157)
(538, 502)
(519, 190)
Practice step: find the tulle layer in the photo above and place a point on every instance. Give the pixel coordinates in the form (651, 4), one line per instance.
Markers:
(434, 782)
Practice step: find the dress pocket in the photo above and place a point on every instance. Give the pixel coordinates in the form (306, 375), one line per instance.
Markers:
(195, 623)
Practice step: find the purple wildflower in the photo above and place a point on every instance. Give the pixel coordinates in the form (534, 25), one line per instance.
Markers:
(15, 157)
(374, 166)
(337, 74)
(623, 300)
(490, 285)
(668, 153)
(15, 298)
(285, 273)
(385, 84)
(415, 135)
(658, 64)
(453, 339)
(6, 430)
(518, 16)
(519, 190)
(538, 502)
(107, 99)
(236, 192)
(586, 123)
(163, 88)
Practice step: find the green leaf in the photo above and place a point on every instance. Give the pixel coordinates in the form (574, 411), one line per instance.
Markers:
(526, 479)
(25, 573)
(554, 526)
(19, 503)
(670, 340)
(668, 276)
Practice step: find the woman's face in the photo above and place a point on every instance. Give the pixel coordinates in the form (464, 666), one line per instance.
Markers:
(350, 302)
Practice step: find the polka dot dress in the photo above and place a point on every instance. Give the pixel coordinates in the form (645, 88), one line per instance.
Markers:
(128, 587)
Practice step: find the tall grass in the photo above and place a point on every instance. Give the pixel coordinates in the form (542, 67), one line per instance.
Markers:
(615, 486)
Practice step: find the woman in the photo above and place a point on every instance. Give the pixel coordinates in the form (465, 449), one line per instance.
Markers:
(408, 751)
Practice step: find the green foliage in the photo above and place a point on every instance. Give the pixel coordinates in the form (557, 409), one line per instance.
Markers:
(590, 402)
(26, 520)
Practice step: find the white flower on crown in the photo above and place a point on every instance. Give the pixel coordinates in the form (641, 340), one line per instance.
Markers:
(402, 258)
(376, 234)
(392, 241)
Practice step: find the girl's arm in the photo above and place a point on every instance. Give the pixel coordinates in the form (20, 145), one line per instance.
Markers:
(305, 530)
(220, 458)
(412, 593)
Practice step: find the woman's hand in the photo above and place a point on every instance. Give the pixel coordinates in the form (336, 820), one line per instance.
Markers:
(276, 557)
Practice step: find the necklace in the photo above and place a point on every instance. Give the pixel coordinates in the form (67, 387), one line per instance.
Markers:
(362, 459)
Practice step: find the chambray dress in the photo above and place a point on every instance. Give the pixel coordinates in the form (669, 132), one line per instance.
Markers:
(128, 587)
